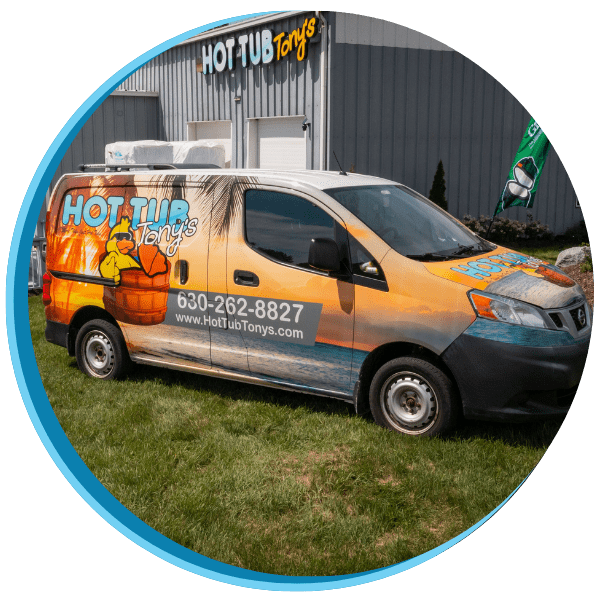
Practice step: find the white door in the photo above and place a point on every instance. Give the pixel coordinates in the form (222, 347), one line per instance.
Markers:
(281, 143)
(212, 131)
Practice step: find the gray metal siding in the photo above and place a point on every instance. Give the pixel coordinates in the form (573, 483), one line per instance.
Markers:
(358, 29)
(395, 111)
(118, 118)
(282, 88)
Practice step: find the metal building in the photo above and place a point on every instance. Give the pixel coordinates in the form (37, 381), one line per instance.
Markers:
(123, 116)
(287, 91)
(387, 100)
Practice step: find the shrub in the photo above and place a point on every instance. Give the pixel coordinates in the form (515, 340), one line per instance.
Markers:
(587, 266)
(437, 193)
(575, 235)
(508, 230)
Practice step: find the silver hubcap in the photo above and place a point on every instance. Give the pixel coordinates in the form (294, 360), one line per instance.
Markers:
(99, 354)
(409, 402)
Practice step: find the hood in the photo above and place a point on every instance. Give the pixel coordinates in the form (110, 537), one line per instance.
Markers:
(511, 274)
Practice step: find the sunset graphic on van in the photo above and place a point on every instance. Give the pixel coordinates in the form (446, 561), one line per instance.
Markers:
(113, 225)
(218, 199)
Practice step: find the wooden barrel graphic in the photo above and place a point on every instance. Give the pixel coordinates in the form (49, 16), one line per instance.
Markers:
(139, 299)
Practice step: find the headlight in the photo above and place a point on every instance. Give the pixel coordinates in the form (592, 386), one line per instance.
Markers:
(506, 310)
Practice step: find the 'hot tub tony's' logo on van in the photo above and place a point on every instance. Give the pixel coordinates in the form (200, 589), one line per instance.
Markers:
(497, 263)
(142, 235)
(166, 223)
(121, 237)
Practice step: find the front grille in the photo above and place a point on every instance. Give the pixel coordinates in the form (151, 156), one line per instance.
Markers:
(557, 320)
(574, 318)
(579, 317)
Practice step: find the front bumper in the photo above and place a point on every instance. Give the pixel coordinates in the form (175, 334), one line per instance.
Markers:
(504, 381)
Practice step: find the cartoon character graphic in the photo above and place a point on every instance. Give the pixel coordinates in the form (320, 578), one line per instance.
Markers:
(119, 247)
(519, 188)
(141, 286)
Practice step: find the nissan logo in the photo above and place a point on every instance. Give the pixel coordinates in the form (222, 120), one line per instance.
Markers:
(581, 317)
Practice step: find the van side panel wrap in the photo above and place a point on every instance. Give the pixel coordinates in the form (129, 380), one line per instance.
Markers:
(522, 336)
(358, 359)
(327, 364)
(183, 346)
(419, 308)
(306, 336)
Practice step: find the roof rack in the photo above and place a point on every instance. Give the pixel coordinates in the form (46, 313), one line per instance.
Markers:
(151, 167)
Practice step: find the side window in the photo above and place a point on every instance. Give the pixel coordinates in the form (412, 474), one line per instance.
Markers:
(366, 271)
(363, 262)
(281, 226)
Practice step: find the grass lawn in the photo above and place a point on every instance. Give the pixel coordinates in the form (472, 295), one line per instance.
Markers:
(547, 253)
(279, 482)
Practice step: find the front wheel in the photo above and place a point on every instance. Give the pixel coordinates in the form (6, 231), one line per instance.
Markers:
(100, 350)
(412, 396)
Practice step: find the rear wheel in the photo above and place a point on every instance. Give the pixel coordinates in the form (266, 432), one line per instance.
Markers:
(100, 350)
(412, 396)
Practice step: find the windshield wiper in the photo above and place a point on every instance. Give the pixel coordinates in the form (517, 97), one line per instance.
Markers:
(471, 250)
(460, 251)
(432, 256)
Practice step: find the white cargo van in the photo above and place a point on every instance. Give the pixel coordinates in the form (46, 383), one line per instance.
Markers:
(340, 285)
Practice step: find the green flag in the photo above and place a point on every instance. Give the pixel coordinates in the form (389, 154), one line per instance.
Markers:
(522, 183)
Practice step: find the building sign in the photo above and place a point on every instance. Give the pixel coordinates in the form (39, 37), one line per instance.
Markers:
(256, 48)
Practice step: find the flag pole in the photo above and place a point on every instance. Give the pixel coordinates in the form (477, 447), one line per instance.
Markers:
(487, 235)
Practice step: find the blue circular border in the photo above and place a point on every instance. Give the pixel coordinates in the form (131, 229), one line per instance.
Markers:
(48, 427)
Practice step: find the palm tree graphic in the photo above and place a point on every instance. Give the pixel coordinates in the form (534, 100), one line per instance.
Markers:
(218, 198)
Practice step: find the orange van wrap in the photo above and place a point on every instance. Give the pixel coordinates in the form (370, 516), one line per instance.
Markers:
(419, 308)
(509, 273)
(161, 253)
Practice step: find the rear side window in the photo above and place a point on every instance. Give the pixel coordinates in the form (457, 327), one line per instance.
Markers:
(281, 226)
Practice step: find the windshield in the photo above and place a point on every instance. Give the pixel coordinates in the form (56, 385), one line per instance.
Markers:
(412, 225)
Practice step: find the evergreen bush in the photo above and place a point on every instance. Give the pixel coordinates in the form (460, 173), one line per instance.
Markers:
(509, 230)
(437, 193)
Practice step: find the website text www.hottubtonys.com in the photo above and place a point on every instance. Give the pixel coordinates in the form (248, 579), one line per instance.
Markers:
(267, 318)
(243, 325)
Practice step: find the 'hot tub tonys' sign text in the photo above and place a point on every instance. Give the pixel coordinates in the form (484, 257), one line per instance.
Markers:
(255, 48)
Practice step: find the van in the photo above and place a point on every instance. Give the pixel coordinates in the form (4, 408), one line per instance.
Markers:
(340, 285)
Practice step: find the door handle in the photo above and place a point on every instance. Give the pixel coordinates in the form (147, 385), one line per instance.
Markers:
(184, 273)
(245, 278)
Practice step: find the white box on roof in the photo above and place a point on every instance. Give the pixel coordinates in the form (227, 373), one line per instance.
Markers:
(154, 151)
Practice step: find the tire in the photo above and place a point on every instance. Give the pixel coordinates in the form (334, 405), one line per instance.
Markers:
(412, 396)
(101, 351)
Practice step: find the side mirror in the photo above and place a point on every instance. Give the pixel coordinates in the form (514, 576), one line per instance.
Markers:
(324, 255)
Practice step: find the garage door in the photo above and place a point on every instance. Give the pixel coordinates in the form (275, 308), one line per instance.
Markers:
(281, 143)
(212, 131)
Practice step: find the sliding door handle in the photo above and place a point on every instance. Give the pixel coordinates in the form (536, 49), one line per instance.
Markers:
(245, 278)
